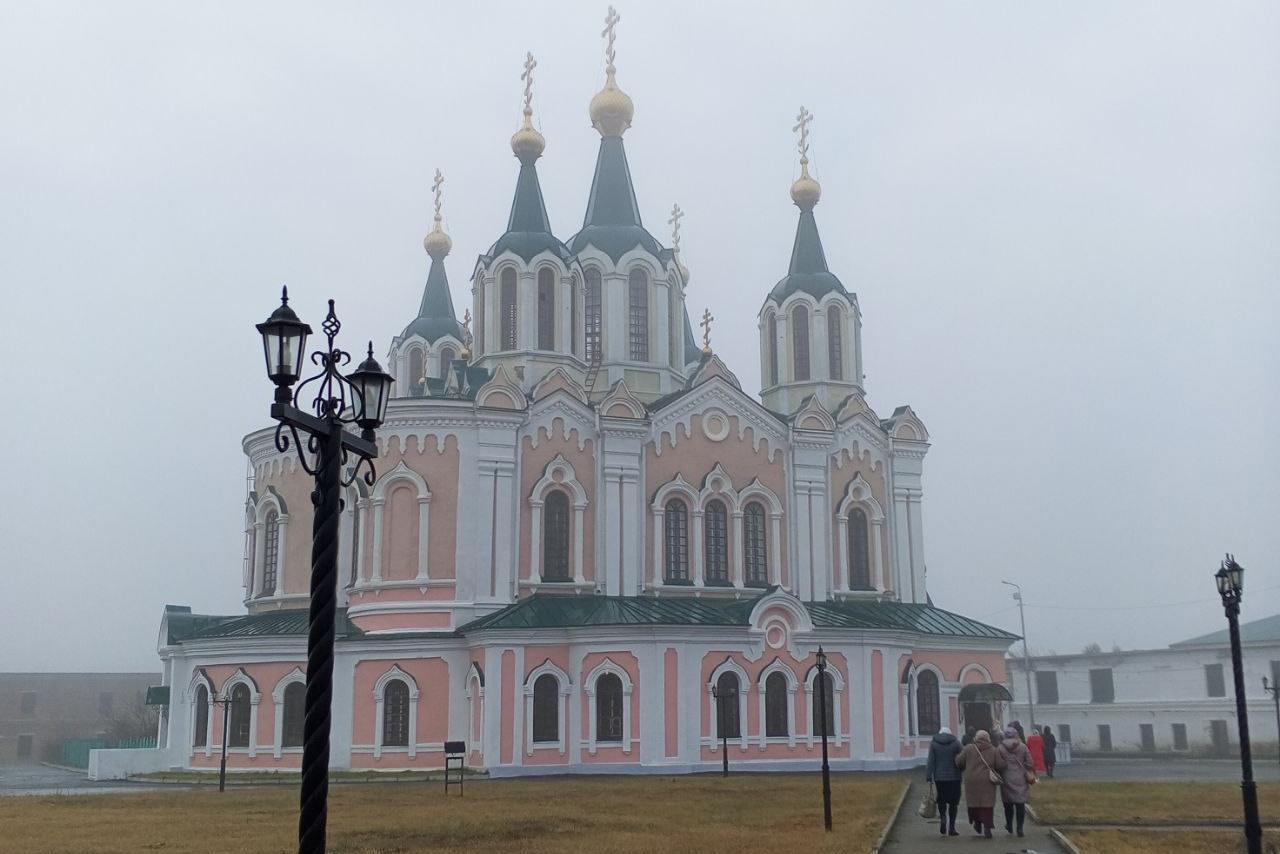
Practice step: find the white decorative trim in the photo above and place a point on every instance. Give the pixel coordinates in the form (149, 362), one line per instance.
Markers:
(200, 678)
(379, 699)
(589, 685)
(277, 696)
(242, 678)
(793, 685)
(562, 712)
(401, 474)
(744, 685)
(537, 497)
(837, 692)
(858, 494)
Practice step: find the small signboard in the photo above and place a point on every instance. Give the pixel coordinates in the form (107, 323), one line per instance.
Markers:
(158, 695)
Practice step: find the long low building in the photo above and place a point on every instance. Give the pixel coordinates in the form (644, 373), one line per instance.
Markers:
(1178, 699)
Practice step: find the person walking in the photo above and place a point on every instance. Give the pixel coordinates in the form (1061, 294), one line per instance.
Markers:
(941, 770)
(968, 737)
(1035, 744)
(1019, 773)
(982, 764)
(1050, 750)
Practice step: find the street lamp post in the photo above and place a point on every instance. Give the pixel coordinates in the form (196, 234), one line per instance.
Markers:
(1026, 653)
(1230, 580)
(222, 765)
(1274, 691)
(822, 715)
(722, 697)
(359, 398)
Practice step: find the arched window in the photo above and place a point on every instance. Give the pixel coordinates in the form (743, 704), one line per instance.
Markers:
(800, 342)
(638, 315)
(446, 361)
(715, 535)
(546, 709)
(771, 329)
(270, 554)
(354, 506)
(555, 537)
(859, 552)
(754, 544)
(395, 714)
(546, 309)
(574, 302)
(592, 316)
(295, 705)
(480, 318)
(775, 706)
(416, 370)
(675, 331)
(823, 682)
(507, 309)
(241, 712)
(676, 529)
(835, 343)
(727, 722)
(928, 703)
(200, 737)
(609, 700)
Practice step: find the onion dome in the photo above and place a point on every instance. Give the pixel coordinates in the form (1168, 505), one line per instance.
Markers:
(527, 143)
(435, 314)
(611, 108)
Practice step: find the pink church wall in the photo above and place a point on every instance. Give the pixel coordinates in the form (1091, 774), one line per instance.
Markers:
(671, 704)
(294, 486)
(266, 676)
(441, 621)
(400, 533)
(609, 753)
(533, 463)
(953, 663)
(873, 474)
(432, 720)
(405, 594)
(438, 466)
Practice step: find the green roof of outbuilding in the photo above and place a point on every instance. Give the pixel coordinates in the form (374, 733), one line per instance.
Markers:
(1256, 631)
(185, 626)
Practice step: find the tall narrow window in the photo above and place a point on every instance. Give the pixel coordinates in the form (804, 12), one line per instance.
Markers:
(928, 703)
(754, 545)
(775, 706)
(771, 330)
(395, 714)
(609, 702)
(507, 307)
(446, 361)
(638, 315)
(592, 316)
(295, 703)
(416, 371)
(675, 332)
(675, 524)
(555, 537)
(574, 301)
(822, 682)
(859, 552)
(479, 333)
(241, 712)
(546, 309)
(200, 737)
(728, 723)
(270, 554)
(835, 343)
(800, 342)
(715, 534)
(354, 505)
(546, 709)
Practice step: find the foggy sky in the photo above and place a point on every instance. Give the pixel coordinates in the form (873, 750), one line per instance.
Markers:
(1060, 221)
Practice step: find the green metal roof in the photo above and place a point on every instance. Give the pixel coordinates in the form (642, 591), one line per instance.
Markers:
(435, 314)
(808, 271)
(612, 222)
(185, 626)
(1257, 631)
(528, 227)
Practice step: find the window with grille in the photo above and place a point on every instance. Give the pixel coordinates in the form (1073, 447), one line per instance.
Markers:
(395, 714)
(270, 553)
(675, 331)
(754, 545)
(574, 297)
(728, 724)
(416, 370)
(835, 343)
(1147, 737)
(800, 342)
(775, 706)
(1064, 733)
(200, 737)
(1046, 687)
(555, 537)
(859, 551)
(507, 309)
(823, 682)
(1102, 688)
(771, 326)
(546, 309)
(1215, 682)
(294, 711)
(446, 361)
(241, 712)
(1104, 736)
(546, 709)
(479, 333)
(592, 312)
(676, 536)
(609, 701)
(928, 703)
(355, 539)
(1179, 736)
(715, 534)
(638, 315)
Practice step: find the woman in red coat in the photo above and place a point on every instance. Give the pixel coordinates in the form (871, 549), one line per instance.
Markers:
(1036, 745)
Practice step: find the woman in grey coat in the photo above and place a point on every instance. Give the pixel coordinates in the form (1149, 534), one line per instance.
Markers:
(940, 769)
(1018, 770)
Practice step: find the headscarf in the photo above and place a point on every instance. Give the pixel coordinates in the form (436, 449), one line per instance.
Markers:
(983, 736)
(944, 730)
(1010, 732)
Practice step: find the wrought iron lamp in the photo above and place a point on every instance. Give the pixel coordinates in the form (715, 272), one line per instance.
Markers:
(1230, 580)
(822, 716)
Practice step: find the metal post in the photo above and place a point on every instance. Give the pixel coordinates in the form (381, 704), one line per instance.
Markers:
(724, 737)
(222, 767)
(1274, 691)
(1026, 654)
(1249, 790)
(822, 714)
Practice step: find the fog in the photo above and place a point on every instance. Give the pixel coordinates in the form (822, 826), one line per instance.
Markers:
(1060, 220)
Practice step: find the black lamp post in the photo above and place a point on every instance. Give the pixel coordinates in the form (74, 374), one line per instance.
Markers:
(222, 764)
(822, 715)
(1274, 691)
(722, 697)
(1230, 579)
(361, 399)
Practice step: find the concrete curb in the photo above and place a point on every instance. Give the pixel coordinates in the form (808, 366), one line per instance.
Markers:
(893, 819)
(1062, 840)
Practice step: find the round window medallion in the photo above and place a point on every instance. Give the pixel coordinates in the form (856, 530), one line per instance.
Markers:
(715, 425)
(775, 636)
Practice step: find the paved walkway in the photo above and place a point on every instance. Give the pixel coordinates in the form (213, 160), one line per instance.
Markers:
(912, 834)
(31, 779)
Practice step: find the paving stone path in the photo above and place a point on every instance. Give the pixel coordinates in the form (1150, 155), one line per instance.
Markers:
(912, 834)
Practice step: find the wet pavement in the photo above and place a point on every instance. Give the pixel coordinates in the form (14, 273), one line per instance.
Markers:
(29, 779)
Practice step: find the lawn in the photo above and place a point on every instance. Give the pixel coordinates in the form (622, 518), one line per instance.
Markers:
(1058, 802)
(602, 815)
(1158, 842)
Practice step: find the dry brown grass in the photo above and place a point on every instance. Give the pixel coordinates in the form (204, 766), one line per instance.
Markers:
(604, 815)
(1085, 802)
(1162, 842)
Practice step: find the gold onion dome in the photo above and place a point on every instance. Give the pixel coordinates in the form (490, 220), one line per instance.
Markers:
(806, 191)
(527, 143)
(611, 108)
(437, 243)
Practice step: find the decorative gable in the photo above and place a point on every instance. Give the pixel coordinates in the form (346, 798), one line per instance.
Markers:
(621, 403)
(501, 392)
(905, 425)
(813, 416)
(559, 380)
(712, 366)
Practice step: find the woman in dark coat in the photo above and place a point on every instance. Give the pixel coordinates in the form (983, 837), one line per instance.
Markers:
(1050, 749)
(940, 769)
(978, 761)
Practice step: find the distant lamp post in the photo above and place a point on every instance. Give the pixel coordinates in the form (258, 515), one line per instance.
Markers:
(1230, 579)
(361, 399)
(822, 716)
(1026, 654)
(720, 698)
(1274, 691)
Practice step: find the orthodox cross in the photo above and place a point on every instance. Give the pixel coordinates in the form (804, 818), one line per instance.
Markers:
(706, 330)
(674, 222)
(529, 64)
(435, 188)
(466, 331)
(802, 125)
(610, 21)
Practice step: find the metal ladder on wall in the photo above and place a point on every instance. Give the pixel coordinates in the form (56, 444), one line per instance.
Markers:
(593, 371)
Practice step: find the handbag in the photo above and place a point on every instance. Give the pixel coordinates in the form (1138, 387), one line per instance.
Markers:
(928, 805)
(996, 779)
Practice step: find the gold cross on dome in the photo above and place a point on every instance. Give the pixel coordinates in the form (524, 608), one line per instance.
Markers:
(706, 330)
(610, 21)
(674, 222)
(802, 125)
(529, 64)
(466, 335)
(435, 188)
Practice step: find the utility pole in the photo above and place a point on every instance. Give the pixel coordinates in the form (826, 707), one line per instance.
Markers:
(1026, 651)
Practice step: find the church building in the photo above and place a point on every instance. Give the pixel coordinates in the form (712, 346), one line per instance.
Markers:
(588, 548)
